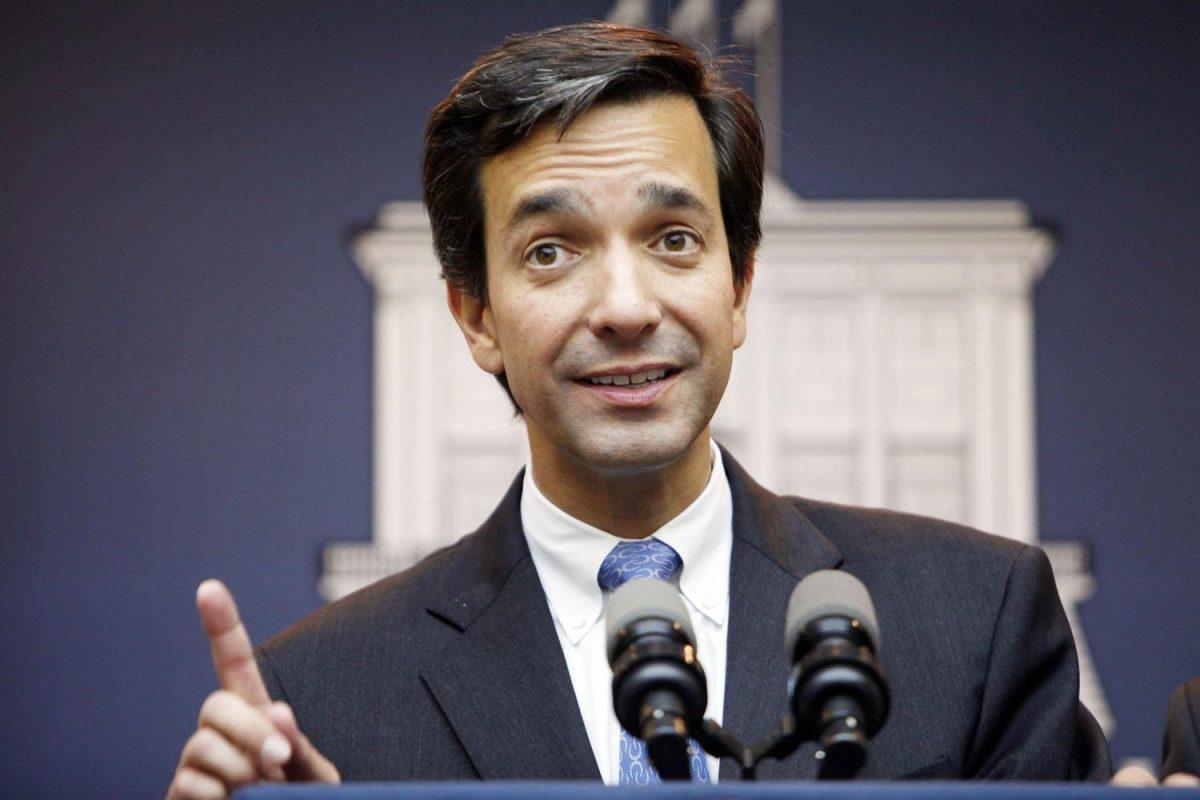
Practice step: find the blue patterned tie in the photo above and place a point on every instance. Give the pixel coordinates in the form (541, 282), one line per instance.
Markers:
(644, 558)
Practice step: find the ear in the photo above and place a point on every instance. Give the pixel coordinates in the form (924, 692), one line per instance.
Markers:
(741, 300)
(475, 320)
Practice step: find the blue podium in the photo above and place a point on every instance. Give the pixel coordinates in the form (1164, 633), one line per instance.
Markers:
(899, 790)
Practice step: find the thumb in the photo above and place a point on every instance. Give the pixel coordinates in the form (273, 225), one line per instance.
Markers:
(1181, 779)
(1134, 776)
(307, 763)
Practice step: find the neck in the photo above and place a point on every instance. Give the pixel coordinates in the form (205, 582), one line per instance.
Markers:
(631, 504)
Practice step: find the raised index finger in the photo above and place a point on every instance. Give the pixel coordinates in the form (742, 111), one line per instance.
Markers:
(232, 653)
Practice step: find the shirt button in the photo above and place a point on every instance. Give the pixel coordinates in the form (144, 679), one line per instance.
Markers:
(709, 601)
(577, 621)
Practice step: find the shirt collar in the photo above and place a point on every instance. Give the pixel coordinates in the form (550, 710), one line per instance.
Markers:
(567, 552)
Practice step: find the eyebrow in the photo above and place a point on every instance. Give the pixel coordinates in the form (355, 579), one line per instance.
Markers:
(657, 195)
(551, 201)
(654, 195)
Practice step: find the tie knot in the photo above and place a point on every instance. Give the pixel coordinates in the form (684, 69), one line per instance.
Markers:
(643, 558)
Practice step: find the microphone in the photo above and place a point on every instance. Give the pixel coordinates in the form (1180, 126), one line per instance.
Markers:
(659, 689)
(838, 693)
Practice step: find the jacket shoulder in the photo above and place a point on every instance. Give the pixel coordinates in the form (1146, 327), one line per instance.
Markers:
(905, 542)
(343, 638)
(408, 616)
(932, 579)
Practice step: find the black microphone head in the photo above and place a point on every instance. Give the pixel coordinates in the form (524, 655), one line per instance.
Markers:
(829, 593)
(642, 598)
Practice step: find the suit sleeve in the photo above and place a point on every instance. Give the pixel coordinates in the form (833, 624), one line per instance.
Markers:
(1032, 725)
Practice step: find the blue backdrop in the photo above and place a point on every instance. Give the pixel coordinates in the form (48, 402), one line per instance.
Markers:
(185, 345)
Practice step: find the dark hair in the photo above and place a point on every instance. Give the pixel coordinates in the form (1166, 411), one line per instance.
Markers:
(559, 73)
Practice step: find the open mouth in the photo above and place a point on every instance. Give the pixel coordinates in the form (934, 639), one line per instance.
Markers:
(634, 379)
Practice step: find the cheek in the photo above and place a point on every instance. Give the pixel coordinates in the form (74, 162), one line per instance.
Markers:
(707, 310)
(530, 333)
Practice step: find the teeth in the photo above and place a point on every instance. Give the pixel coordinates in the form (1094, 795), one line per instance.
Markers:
(648, 376)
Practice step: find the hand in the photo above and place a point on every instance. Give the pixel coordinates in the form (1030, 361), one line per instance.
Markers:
(243, 737)
(1140, 776)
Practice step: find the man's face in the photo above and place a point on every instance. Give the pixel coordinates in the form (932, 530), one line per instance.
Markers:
(611, 303)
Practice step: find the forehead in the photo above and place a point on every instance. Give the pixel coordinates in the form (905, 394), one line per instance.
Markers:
(607, 153)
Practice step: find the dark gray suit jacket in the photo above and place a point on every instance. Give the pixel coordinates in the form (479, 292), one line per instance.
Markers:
(452, 669)
(1181, 737)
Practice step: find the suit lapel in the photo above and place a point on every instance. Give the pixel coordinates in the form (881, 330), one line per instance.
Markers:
(774, 546)
(503, 684)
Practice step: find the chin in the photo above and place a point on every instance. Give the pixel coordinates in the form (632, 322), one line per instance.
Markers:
(633, 452)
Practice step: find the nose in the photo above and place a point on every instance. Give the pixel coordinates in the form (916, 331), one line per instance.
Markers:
(625, 302)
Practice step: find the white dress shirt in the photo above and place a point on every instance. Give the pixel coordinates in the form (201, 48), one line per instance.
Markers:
(567, 554)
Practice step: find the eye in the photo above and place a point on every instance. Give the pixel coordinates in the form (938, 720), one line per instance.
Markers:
(546, 255)
(678, 242)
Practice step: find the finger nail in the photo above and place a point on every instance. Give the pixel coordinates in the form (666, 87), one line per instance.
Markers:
(276, 750)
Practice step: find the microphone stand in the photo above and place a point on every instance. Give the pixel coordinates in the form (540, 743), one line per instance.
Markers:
(835, 763)
(721, 743)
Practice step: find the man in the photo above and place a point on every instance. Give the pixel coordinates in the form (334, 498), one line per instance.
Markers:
(594, 195)
(1181, 743)
(1181, 737)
